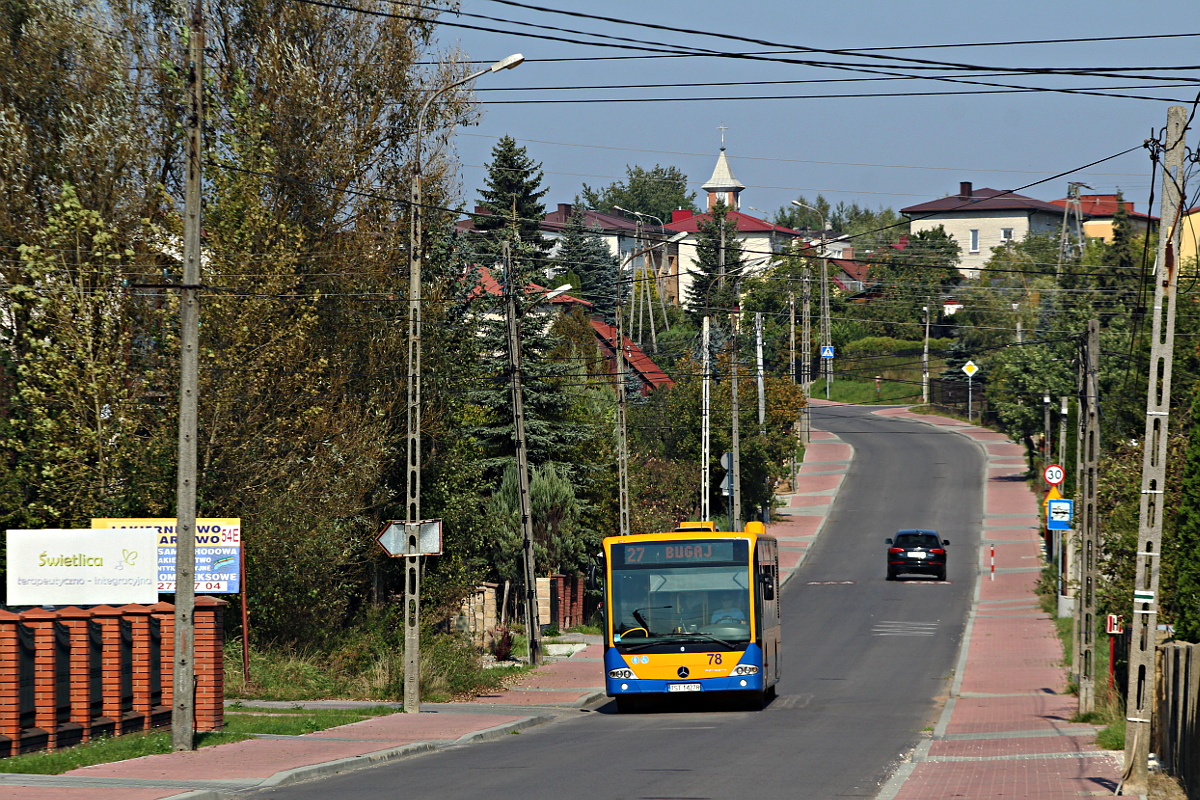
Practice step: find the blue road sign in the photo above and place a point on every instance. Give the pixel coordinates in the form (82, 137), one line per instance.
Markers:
(1059, 514)
(827, 351)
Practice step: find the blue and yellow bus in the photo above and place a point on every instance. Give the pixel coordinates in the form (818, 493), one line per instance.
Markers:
(691, 611)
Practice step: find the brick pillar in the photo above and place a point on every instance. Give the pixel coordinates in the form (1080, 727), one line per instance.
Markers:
(45, 694)
(577, 600)
(139, 717)
(76, 621)
(210, 663)
(160, 715)
(109, 619)
(10, 708)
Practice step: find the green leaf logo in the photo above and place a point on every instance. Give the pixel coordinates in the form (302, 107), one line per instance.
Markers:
(130, 556)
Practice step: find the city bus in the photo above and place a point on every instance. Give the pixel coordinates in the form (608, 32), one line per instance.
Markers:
(691, 611)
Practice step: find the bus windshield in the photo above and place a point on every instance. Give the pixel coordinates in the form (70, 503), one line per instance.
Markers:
(670, 591)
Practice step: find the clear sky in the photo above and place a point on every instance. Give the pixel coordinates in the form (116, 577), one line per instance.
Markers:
(794, 138)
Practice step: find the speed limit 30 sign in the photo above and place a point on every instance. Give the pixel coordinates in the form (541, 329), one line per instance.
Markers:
(1054, 474)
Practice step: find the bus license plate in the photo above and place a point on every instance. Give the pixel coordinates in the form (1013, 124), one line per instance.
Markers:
(683, 687)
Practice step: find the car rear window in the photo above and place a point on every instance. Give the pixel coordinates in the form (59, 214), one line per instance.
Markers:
(917, 540)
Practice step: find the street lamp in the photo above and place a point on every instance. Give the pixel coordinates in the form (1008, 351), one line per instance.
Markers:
(826, 363)
(412, 641)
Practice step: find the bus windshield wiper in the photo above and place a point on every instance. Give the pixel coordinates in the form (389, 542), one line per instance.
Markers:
(676, 638)
(708, 636)
(637, 614)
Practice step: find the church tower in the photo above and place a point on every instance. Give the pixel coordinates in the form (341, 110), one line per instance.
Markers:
(722, 186)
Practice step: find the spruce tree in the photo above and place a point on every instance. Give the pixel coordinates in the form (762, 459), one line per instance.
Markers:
(513, 198)
(714, 286)
(583, 253)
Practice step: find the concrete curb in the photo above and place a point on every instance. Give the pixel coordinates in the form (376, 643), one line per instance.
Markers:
(353, 763)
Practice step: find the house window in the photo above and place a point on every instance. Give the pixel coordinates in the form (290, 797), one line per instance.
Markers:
(974, 240)
(1006, 235)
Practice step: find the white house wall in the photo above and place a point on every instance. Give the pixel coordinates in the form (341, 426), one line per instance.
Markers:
(990, 225)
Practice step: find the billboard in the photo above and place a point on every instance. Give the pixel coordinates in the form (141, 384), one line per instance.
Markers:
(64, 567)
(218, 551)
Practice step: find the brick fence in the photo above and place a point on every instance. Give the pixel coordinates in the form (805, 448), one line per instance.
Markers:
(71, 675)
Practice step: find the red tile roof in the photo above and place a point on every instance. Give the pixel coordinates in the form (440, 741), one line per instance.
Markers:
(489, 285)
(651, 376)
(981, 200)
(745, 224)
(1102, 205)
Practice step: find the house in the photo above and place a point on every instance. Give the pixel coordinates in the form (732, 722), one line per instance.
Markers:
(649, 376)
(1098, 211)
(759, 239)
(1189, 240)
(982, 219)
(637, 244)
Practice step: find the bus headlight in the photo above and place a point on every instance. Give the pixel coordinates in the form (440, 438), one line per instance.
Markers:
(745, 669)
(622, 674)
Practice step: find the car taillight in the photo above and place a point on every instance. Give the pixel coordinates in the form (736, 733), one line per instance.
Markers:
(895, 549)
(937, 551)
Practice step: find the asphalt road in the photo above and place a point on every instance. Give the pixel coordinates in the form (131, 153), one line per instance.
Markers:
(865, 664)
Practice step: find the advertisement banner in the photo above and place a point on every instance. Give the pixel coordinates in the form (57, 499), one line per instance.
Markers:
(63, 567)
(218, 551)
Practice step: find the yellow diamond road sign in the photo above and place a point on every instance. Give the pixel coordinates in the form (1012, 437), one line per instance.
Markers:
(970, 368)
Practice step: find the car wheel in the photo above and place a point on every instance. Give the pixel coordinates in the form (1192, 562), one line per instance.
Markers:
(891, 575)
(941, 576)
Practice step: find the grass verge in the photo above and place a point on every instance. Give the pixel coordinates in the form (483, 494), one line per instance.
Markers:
(241, 722)
(1109, 706)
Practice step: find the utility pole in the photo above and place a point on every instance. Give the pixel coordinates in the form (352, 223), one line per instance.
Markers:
(1062, 429)
(622, 430)
(1089, 524)
(826, 338)
(705, 421)
(792, 335)
(1047, 447)
(806, 350)
(183, 711)
(735, 495)
(925, 362)
(532, 625)
(758, 358)
(1139, 703)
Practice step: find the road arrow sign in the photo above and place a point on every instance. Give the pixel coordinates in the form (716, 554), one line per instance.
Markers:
(399, 538)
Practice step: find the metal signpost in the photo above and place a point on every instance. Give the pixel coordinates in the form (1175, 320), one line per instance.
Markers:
(411, 540)
(970, 368)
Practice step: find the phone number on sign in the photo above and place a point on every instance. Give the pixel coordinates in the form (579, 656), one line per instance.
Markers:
(201, 586)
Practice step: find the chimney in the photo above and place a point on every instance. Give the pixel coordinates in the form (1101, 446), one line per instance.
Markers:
(848, 253)
(564, 211)
(964, 190)
(680, 214)
(482, 211)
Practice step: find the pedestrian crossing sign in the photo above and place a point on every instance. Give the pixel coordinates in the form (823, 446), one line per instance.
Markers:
(827, 351)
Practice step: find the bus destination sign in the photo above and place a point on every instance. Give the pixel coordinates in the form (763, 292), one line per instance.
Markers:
(674, 553)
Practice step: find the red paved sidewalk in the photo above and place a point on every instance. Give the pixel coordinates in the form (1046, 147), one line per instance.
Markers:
(1006, 731)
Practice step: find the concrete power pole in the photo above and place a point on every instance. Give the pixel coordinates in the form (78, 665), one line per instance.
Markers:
(792, 336)
(826, 337)
(705, 422)
(183, 711)
(735, 496)
(1139, 703)
(1088, 524)
(758, 368)
(622, 430)
(925, 362)
(532, 625)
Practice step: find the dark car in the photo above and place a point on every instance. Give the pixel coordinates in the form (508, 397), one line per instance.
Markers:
(917, 551)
